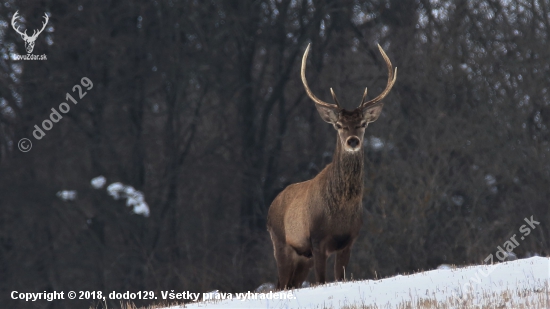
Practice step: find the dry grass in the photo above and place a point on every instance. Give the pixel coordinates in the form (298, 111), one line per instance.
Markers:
(510, 299)
(131, 305)
(527, 299)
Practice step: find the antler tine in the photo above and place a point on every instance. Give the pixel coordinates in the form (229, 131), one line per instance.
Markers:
(334, 97)
(308, 91)
(13, 19)
(364, 95)
(392, 75)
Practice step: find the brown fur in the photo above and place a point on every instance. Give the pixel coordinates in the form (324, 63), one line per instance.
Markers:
(310, 220)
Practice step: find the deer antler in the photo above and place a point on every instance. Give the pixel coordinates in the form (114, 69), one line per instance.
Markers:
(391, 80)
(34, 35)
(309, 93)
(13, 19)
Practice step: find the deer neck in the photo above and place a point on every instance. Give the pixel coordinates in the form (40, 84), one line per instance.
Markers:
(345, 181)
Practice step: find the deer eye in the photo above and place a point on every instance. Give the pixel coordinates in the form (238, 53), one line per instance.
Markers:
(364, 125)
(338, 126)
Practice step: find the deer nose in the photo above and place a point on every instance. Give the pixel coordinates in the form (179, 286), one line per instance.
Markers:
(353, 142)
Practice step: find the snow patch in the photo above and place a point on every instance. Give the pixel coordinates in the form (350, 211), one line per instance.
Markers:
(98, 182)
(523, 283)
(67, 195)
(134, 198)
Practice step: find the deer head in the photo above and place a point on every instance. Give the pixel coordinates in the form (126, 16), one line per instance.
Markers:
(29, 40)
(351, 125)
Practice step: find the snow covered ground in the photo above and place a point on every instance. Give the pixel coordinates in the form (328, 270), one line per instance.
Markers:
(518, 284)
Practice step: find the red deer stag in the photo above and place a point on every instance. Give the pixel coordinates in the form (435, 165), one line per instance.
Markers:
(310, 220)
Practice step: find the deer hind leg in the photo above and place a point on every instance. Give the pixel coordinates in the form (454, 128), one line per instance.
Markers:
(301, 270)
(341, 262)
(282, 259)
(285, 267)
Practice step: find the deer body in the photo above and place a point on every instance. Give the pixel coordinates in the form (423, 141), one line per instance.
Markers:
(310, 220)
(304, 223)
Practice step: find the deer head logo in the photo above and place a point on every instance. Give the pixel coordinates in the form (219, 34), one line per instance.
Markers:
(29, 40)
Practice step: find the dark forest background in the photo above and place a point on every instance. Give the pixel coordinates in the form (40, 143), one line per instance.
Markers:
(199, 105)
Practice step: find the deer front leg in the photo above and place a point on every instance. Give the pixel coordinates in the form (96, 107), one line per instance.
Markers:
(320, 264)
(340, 263)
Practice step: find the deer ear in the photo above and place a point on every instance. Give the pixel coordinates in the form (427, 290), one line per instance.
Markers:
(328, 114)
(371, 113)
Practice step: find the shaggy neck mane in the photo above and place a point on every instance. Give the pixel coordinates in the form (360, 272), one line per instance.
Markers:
(345, 179)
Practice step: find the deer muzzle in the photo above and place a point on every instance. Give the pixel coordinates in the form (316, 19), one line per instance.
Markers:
(353, 143)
